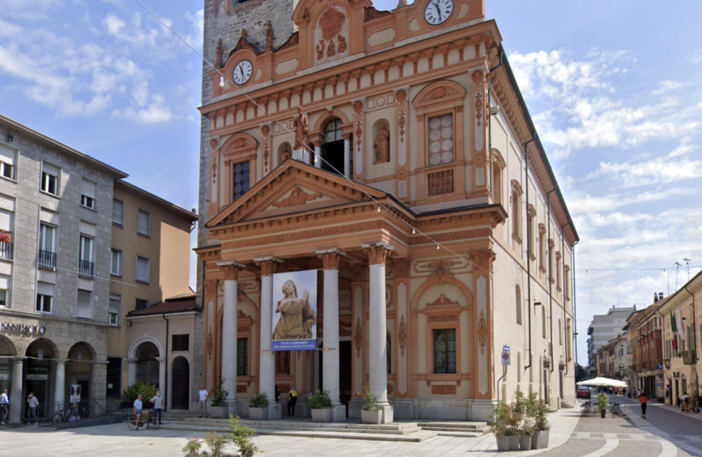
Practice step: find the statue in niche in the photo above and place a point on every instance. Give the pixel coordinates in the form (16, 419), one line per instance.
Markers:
(342, 44)
(302, 127)
(286, 154)
(296, 315)
(269, 37)
(382, 142)
(282, 362)
(320, 50)
(220, 51)
(331, 49)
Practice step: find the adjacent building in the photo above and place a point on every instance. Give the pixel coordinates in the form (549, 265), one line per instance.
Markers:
(644, 329)
(602, 329)
(392, 153)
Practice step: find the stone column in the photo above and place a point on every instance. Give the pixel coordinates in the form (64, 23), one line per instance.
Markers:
(162, 381)
(347, 156)
(16, 395)
(317, 156)
(229, 337)
(60, 385)
(330, 356)
(377, 337)
(131, 371)
(266, 357)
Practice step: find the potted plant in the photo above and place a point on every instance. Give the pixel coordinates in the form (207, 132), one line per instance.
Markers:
(499, 425)
(602, 400)
(511, 433)
(519, 407)
(217, 406)
(526, 436)
(541, 428)
(371, 413)
(321, 405)
(258, 407)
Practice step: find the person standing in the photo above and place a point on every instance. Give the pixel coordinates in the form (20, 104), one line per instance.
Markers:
(685, 403)
(644, 403)
(203, 394)
(158, 406)
(699, 404)
(4, 407)
(138, 407)
(292, 401)
(277, 394)
(33, 405)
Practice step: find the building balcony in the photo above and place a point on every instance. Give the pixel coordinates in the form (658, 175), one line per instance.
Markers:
(86, 269)
(47, 260)
(6, 250)
(666, 362)
(440, 182)
(689, 357)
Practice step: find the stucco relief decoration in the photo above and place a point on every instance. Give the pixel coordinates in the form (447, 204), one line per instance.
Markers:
(297, 197)
(331, 35)
(358, 108)
(402, 335)
(265, 131)
(359, 135)
(266, 155)
(402, 268)
(442, 264)
(442, 301)
(482, 331)
(483, 260)
(401, 96)
(210, 344)
(358, 337)
(479, 108)
(401, 121)
(444, 318)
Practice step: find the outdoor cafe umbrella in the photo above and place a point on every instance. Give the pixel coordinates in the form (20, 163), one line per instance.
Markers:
(603, 382)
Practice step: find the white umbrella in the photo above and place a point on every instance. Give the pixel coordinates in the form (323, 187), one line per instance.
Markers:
(603, 382)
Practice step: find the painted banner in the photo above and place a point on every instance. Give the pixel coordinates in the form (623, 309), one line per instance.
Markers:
(295, 311)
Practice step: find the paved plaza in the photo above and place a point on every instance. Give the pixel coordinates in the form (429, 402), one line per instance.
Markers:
(666, 433)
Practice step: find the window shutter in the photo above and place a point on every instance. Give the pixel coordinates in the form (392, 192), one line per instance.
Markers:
(84, 307)
(144, 223)
(50, 169)
(115, 303)
(7, 155)
(44, 288)
(87, 188)
(5, 220)
(4, 282)
(142, 269)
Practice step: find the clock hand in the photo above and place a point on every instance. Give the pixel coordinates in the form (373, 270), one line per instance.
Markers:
(438, 10)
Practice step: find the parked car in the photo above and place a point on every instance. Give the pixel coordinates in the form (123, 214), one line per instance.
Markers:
(583, 392)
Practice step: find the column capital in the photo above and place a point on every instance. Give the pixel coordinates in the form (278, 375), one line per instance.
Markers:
(267, 264)
(330, 258)
(377, 252)
(231, 270)
(210, 286)
(483, 260)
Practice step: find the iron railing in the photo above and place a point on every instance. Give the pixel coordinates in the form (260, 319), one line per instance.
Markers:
(86, 269)
(689, 357)
(7, 250)
(47, 259)
(68, 411)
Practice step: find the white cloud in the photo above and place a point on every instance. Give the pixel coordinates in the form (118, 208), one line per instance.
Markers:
(153, 111)
(667, 86)
(585, 203)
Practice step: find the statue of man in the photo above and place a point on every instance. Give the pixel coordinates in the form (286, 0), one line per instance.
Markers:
(302, 127)
(382, 141)
(296, 315)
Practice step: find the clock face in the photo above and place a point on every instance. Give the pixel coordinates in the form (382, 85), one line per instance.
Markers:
(242, 72)
(438, 11)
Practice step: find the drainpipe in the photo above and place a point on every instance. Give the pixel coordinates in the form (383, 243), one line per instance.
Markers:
(526, 181)
(694, 323)
(165, 392)
(502, 53)
(550, 277)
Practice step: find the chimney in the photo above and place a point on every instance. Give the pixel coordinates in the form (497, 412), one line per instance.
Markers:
(660, 295)
(655, 297)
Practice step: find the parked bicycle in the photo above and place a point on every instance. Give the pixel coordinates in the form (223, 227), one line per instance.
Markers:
(71, 414)
(147, 420)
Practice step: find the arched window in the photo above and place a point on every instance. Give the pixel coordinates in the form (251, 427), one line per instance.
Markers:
(518, 303)
(333, 148)
(333, 132)
(147, 367)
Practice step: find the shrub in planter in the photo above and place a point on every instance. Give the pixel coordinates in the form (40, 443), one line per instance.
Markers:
(320, 404)
(219, 394)
(519, 407)
(526, 437)
(371, 413)
(541, 428)
(602, 401)
(192, 448)
(241, 437)
(216, 443)
(500, 416)
(258, 407)
(511, 433)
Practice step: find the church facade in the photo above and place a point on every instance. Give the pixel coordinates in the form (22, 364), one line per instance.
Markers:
(392, 152)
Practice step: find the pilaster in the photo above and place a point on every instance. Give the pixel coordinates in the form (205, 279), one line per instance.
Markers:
(482, 324)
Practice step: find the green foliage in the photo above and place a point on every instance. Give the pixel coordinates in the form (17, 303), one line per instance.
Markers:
(148, 391)
(192, 448)
(241, 437)
(602, 400)
(541, 421)
(216, 444)
(219, 394)
(369, 400)
(319, 400)
(259, 401)
(501, 417)
(519, 406)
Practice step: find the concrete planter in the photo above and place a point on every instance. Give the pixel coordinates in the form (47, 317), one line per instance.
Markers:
(218, 412)
(514, 443)
(372, 417)
(540, 439)
(525, 442)
(258, 414)
(502, 443)
(321, 415)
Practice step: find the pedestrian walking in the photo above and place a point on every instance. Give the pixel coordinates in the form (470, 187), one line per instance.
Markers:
(33, 405)
(699, 405)
(277, 394)
(203, 394)
(292, 401)
(644, 403)
(685, 406)
(138, 409)
(158, 406)
(4, 407)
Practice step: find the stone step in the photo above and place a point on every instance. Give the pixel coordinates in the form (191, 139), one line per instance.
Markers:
(295, 425)
(476, 432)
(460, 434)
(454, 425)
(312, 426)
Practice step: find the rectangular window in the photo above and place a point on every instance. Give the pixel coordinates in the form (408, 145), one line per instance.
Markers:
(4, 290)
(6, 251)
(144, 223)
(242, 357)
(181, 342)
(445, 351)
(87, 193)
(240, 171)
(116, 264)
(85, 304)
(441, 140)
(86, 267)
(118, 212)
(141, 304)
(45, 294)
(143, 269)
(50, 178)
(115, 309)
(8, 158)
(47, 246)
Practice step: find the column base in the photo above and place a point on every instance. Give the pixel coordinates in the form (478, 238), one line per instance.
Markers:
(388, 413)
(404, 409)
(301, 155)
(234, 408)
(338, 413)
(481, 410)
(274, 411)
(355, 407)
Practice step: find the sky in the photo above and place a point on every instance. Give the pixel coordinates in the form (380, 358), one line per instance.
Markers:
(614, 88)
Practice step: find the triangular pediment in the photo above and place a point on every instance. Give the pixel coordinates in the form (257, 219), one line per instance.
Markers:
(294, 187)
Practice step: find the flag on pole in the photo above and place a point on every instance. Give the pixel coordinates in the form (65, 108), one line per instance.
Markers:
(682, 326)
(674, 329)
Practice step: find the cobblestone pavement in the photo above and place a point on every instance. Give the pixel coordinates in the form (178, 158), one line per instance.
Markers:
(666, 433)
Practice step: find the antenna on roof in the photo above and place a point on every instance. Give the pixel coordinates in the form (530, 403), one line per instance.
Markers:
(687, 261)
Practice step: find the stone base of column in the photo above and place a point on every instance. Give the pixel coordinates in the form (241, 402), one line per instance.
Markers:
(301, 155)
(234, 408)
(338, 413)
(274, 411)
(355, 407)
(403, 409)
(388, 414)
(482, 410)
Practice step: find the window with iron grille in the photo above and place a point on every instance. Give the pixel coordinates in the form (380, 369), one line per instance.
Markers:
(242, 357)
(445, 351)
(181, 342)
(241, 179)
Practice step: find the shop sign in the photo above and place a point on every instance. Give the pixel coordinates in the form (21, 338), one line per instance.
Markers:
(4, 376)
(22, 329)
(37, 377)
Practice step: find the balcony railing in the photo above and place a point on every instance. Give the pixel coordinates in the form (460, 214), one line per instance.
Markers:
(440, 182)
(666, 362)
(86, 269)
(47, 259)
(689, 357)
(6, 250)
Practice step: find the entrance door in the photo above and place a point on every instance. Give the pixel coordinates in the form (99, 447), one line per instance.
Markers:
(345, 373)
(180, 396)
